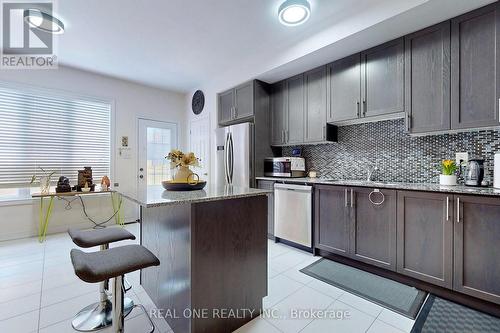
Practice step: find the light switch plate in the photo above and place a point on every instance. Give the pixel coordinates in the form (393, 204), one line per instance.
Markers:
(464, 157)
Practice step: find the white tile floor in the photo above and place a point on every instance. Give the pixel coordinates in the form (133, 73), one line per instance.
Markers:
(290, 289)
(39, 292)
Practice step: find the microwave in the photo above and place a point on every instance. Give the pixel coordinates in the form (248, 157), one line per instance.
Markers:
(289, 167)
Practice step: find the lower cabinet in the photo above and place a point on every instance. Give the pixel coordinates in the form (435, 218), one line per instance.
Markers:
(477, 247)
(358, 223)
(452, 241)
(373, 227)
(425, 237)
(332, 223)
(268, 185)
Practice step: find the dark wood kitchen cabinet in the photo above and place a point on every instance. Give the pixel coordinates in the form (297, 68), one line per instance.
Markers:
(278, 114)
(244, 100)
(382, 79)
(237, 105)
(349, 224)
(269, 185)
(332, 219)
(425, 236)
(373, 227)
(315, 105)
(368, 86)
(475, 68)
(427, 78)
(226, 104)
(477, 247)
(295, 109)
(344, 80)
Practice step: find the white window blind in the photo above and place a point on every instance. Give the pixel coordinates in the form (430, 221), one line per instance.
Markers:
(57, 133)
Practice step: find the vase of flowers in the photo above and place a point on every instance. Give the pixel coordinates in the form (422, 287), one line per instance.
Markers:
(182, 162)
(44, 180)
(448, 177)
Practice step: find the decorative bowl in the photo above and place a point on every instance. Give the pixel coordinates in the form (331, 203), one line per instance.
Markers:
(171, 185)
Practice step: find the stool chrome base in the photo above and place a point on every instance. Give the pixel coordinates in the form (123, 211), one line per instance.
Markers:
(96, 316)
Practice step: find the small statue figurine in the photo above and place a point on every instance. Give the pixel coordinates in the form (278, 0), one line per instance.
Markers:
(85, 179)
(63, 185)
(105, 183)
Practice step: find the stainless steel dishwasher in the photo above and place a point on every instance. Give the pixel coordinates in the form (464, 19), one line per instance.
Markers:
(293, 213)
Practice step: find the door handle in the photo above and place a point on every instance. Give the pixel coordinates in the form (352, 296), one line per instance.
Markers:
(447, 208)
(458, 210)
(226, 159)
(364, 108)
(358, 109)
(231, 160)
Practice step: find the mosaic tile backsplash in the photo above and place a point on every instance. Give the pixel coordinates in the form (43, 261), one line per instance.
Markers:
(399, 156)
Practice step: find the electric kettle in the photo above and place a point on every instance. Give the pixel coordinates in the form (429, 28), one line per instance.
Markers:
(474, 173)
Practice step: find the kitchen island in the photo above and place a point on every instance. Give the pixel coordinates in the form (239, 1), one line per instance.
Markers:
(212, 245)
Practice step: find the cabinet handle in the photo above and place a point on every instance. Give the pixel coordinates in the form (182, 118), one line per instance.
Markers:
(447, 208)
(286, 136)
(458, 210)
(364, 108)
(282, 136)
(324, 132)
(345, 197)
(408, 122)
(352, 198)
(358, 109)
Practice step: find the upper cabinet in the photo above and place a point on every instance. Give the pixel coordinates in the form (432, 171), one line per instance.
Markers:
(315, 105)
(344, 89)
(277, 118)
(236, 104)
(226, 106)
(428, 79)
(382, 79)
(299, 110)
(294, 129)
(368, 86)
(475, 68)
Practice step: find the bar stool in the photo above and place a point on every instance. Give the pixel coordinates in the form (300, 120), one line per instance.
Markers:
(98, 315)
(114, 264)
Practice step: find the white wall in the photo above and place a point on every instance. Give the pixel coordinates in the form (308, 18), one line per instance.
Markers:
(130, 101)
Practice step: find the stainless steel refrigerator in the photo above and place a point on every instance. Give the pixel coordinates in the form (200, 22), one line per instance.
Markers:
(235, 162)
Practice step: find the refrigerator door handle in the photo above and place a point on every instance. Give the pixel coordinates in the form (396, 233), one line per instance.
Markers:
(231, 159)
(226, 158)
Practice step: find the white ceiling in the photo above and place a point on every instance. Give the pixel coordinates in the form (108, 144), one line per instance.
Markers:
(184, 44)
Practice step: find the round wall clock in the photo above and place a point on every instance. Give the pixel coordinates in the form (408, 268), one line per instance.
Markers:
(198, 102)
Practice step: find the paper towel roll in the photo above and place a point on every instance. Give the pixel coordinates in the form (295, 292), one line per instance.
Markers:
(496, 171)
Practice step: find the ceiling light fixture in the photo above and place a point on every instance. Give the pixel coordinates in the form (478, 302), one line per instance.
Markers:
(294, 12)
(43, 21)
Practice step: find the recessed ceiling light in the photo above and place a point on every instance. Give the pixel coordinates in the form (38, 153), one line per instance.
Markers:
(43, 21)
(294, 12)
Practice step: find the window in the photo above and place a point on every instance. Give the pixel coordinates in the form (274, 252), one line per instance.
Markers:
(59, 134)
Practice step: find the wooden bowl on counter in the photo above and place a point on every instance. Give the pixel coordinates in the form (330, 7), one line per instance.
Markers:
(171, 185)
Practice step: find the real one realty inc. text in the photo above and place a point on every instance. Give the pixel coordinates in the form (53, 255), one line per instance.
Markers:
(249, 313)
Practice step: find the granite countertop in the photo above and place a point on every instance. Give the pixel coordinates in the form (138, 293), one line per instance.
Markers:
(156, 195)
(459, 189)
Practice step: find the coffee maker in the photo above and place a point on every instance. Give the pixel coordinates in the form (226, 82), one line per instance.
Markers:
(474, 173)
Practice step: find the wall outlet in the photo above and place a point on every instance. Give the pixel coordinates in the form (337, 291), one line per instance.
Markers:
(464, 157)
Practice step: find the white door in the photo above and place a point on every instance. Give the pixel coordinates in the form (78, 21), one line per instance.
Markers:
(156, 140)
(199, 144)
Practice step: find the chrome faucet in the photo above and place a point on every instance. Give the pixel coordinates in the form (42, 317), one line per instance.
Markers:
(371, 171)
